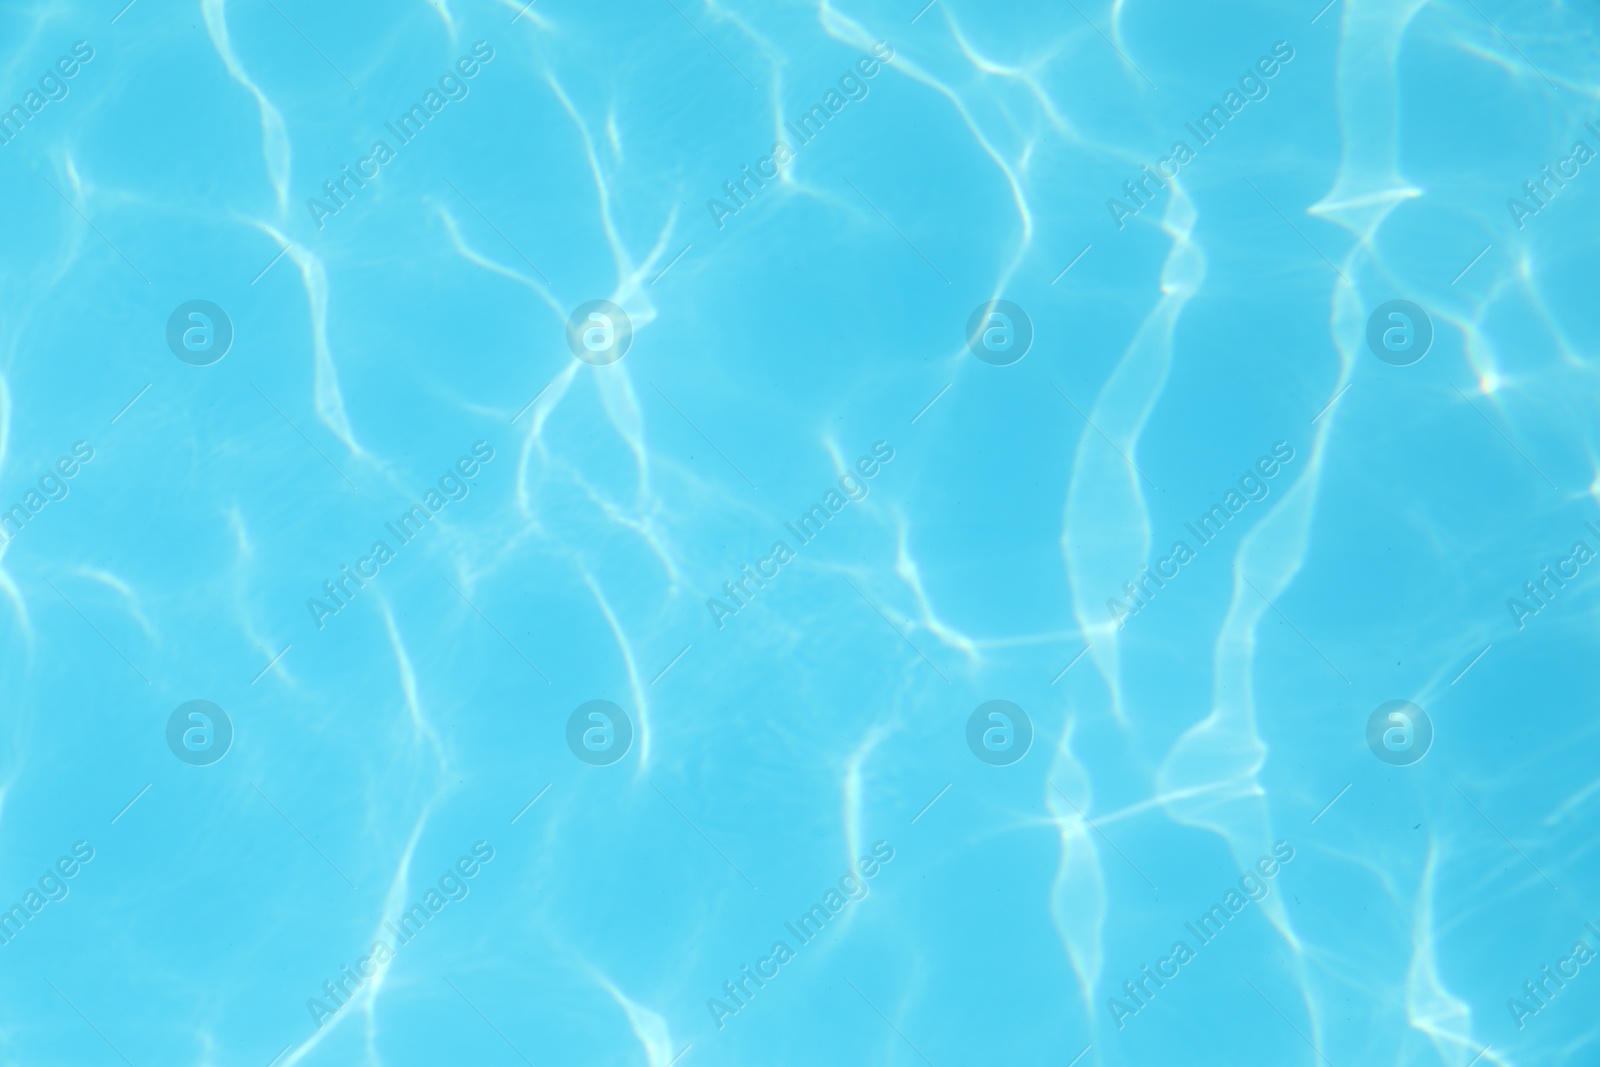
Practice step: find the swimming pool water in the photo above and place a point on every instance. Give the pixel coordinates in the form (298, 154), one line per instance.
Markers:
(690, 533)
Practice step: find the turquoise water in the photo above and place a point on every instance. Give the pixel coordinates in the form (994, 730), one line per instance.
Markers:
(688, 533)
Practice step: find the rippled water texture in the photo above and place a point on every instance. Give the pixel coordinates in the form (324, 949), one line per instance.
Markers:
(698, 533)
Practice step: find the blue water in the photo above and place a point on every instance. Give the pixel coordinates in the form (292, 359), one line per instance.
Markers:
(694, 533)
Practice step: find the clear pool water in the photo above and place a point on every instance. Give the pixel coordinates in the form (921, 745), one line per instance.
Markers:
(702, 533)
